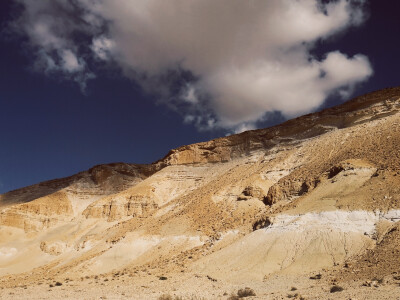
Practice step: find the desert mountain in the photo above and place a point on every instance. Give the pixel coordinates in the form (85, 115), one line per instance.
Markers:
(315, 197)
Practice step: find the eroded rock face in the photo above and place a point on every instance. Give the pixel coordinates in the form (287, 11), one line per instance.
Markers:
(357, 111)
(55, 248)
(118, 177)
(252, 192)
(289, 186)
(100, 180)
(285, 190)
(117, 209)
(48, 204)
(322, 181)
(39, 214)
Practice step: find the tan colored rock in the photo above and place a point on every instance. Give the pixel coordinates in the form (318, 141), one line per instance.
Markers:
(321, 196)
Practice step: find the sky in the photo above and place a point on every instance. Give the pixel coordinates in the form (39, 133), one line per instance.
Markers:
(87, 82)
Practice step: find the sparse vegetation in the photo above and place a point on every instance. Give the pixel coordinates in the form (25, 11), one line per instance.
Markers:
(261, 223)
(246, 292)
(55, 284)
(336, 288)
(169, 297)
(242, 293)
(199, 235)
(296, 296)
(318, 276)
(378, 280)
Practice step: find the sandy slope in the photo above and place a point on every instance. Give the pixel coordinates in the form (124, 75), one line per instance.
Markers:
(266, 209)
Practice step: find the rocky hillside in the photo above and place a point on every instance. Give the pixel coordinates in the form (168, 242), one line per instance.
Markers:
(319, 194)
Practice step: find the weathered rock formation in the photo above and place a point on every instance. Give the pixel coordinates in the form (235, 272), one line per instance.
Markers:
(314, 192)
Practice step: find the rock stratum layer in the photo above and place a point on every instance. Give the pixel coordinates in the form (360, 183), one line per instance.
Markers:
(319, 193)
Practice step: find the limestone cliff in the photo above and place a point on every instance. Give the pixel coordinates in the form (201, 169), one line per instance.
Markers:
(310, 194)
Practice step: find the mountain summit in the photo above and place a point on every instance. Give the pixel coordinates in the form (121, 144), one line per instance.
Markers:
(293, 209)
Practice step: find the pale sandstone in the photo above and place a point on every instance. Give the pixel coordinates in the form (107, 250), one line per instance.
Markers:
(267, 209)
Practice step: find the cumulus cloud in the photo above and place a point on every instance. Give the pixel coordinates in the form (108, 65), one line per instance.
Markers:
(70, 62)
(54, 30)
(219, 63)
(102, 47)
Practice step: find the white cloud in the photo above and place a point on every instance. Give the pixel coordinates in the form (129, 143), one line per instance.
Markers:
(244, 127)
(245, 58)
(340, 70)
(189, 119)
(70, 62)
(189, 94)
(51, 27)
(102, 47)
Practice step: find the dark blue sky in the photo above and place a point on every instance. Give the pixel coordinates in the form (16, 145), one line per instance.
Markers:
(49, 129)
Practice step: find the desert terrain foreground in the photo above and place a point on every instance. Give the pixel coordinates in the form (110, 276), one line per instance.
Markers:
(308, 209)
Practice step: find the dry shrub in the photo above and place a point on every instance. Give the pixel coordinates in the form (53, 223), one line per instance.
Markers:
(169, 297)
(246, 292)
(242, 293)
(336, 288)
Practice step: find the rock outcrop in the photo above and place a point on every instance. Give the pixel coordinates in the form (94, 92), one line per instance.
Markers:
(38, 214)
(313, 193)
